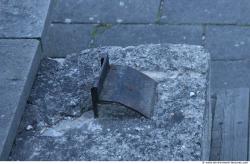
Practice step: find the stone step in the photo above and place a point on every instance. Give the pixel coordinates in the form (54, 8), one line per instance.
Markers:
(19, 60)
(22, 29)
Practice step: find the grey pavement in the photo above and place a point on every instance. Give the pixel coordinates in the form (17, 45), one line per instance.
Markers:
(63, 39)
(205, 11)
(22, 27)
(228, 42)
(230, 74)
(102, 11)
(126, 35)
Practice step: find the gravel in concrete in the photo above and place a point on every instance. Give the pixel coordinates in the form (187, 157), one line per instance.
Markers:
(53, 128)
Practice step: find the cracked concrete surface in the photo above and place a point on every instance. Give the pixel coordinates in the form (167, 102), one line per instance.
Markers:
(59, 108)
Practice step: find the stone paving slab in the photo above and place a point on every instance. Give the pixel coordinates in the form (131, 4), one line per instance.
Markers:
(201, 11)
(68, 38)
(230, 74)
(228, 42)
(23, 18)
(19, 60)
(245, 12)
(64, 39)
(102, 11)
(126, 35)
(52, 129)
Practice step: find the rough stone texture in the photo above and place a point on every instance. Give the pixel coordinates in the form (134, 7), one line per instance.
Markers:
(63, 39)
(112, 11)
(201, 11)
(228, 42)
(53, 128)
(19, 60)
(23, 18)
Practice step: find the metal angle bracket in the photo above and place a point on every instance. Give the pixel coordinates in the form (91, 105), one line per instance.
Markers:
(125, 86)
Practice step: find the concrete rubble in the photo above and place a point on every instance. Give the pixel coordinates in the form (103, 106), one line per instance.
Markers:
(58, 123)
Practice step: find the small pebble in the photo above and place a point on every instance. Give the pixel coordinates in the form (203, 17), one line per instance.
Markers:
(29, 127)
(73, 102)
(191, 94)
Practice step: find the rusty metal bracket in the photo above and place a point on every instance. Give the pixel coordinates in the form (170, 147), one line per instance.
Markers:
(125, 86)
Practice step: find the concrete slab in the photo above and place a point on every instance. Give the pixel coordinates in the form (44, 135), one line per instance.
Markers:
(197, 11)
(228, 42)
(102, 11)
(19, 60)
(23, 18)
